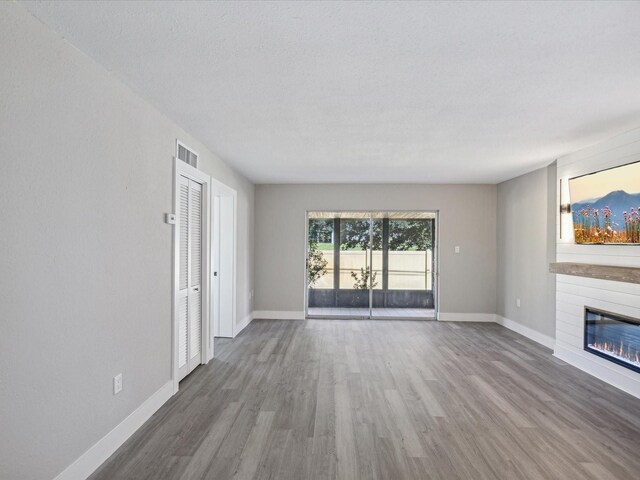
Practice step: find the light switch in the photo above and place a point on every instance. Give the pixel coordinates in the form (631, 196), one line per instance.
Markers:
(457, 249)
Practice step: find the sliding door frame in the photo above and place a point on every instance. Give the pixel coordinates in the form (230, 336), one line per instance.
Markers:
(435, 265)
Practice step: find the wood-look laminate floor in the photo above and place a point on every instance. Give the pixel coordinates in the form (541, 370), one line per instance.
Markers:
(324, 399)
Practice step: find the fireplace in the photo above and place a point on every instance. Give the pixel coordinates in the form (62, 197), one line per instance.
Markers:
(612, 336)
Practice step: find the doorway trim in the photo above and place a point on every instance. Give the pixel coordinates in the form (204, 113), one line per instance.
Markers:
(181, 168)
(435, 263)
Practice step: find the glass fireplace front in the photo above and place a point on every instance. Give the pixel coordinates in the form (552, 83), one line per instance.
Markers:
(612, 336)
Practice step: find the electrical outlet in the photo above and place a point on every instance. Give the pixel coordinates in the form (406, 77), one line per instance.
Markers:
(117, 384)
(457, 249)
(518, 302)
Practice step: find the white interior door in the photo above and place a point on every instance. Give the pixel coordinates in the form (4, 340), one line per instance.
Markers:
(223, 259)
(189, 295)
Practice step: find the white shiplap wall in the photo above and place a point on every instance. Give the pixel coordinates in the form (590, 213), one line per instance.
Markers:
(573, 293)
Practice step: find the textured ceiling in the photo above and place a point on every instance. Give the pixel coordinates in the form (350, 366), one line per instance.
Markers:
(373, 91)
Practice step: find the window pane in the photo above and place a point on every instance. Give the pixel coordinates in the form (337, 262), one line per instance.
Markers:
(410, 255)
(320, 254)
(354, 254)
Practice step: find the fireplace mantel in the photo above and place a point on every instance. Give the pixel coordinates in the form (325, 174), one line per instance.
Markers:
(604, 272)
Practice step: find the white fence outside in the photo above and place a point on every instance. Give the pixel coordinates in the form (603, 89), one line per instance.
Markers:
(409, 270)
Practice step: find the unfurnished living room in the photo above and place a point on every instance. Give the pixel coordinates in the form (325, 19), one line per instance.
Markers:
(299, 240)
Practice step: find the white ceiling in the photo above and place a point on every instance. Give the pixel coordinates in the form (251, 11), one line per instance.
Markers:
(374, 91)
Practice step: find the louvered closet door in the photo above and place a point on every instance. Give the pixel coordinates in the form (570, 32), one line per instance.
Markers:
(195, 270)
(189, 297)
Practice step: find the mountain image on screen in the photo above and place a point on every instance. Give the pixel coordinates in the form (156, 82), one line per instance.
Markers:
(612, 218)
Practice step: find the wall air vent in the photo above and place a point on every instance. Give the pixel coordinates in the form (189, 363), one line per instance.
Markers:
(187, 155)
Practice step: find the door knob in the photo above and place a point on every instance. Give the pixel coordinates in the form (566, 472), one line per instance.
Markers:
(196, 289)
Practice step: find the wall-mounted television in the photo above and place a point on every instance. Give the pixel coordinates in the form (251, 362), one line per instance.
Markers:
(605, 206)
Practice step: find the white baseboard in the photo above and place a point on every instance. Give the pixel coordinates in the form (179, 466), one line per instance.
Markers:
(619, 377)
(531, 334)
(465, 317)
(89, 461)
(279, 314)
(243, 324)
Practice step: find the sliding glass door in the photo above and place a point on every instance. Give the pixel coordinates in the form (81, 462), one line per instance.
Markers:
(371, 264)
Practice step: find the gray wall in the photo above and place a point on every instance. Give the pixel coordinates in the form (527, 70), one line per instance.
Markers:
(85, 262)
(467, 219)
(526, 246)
